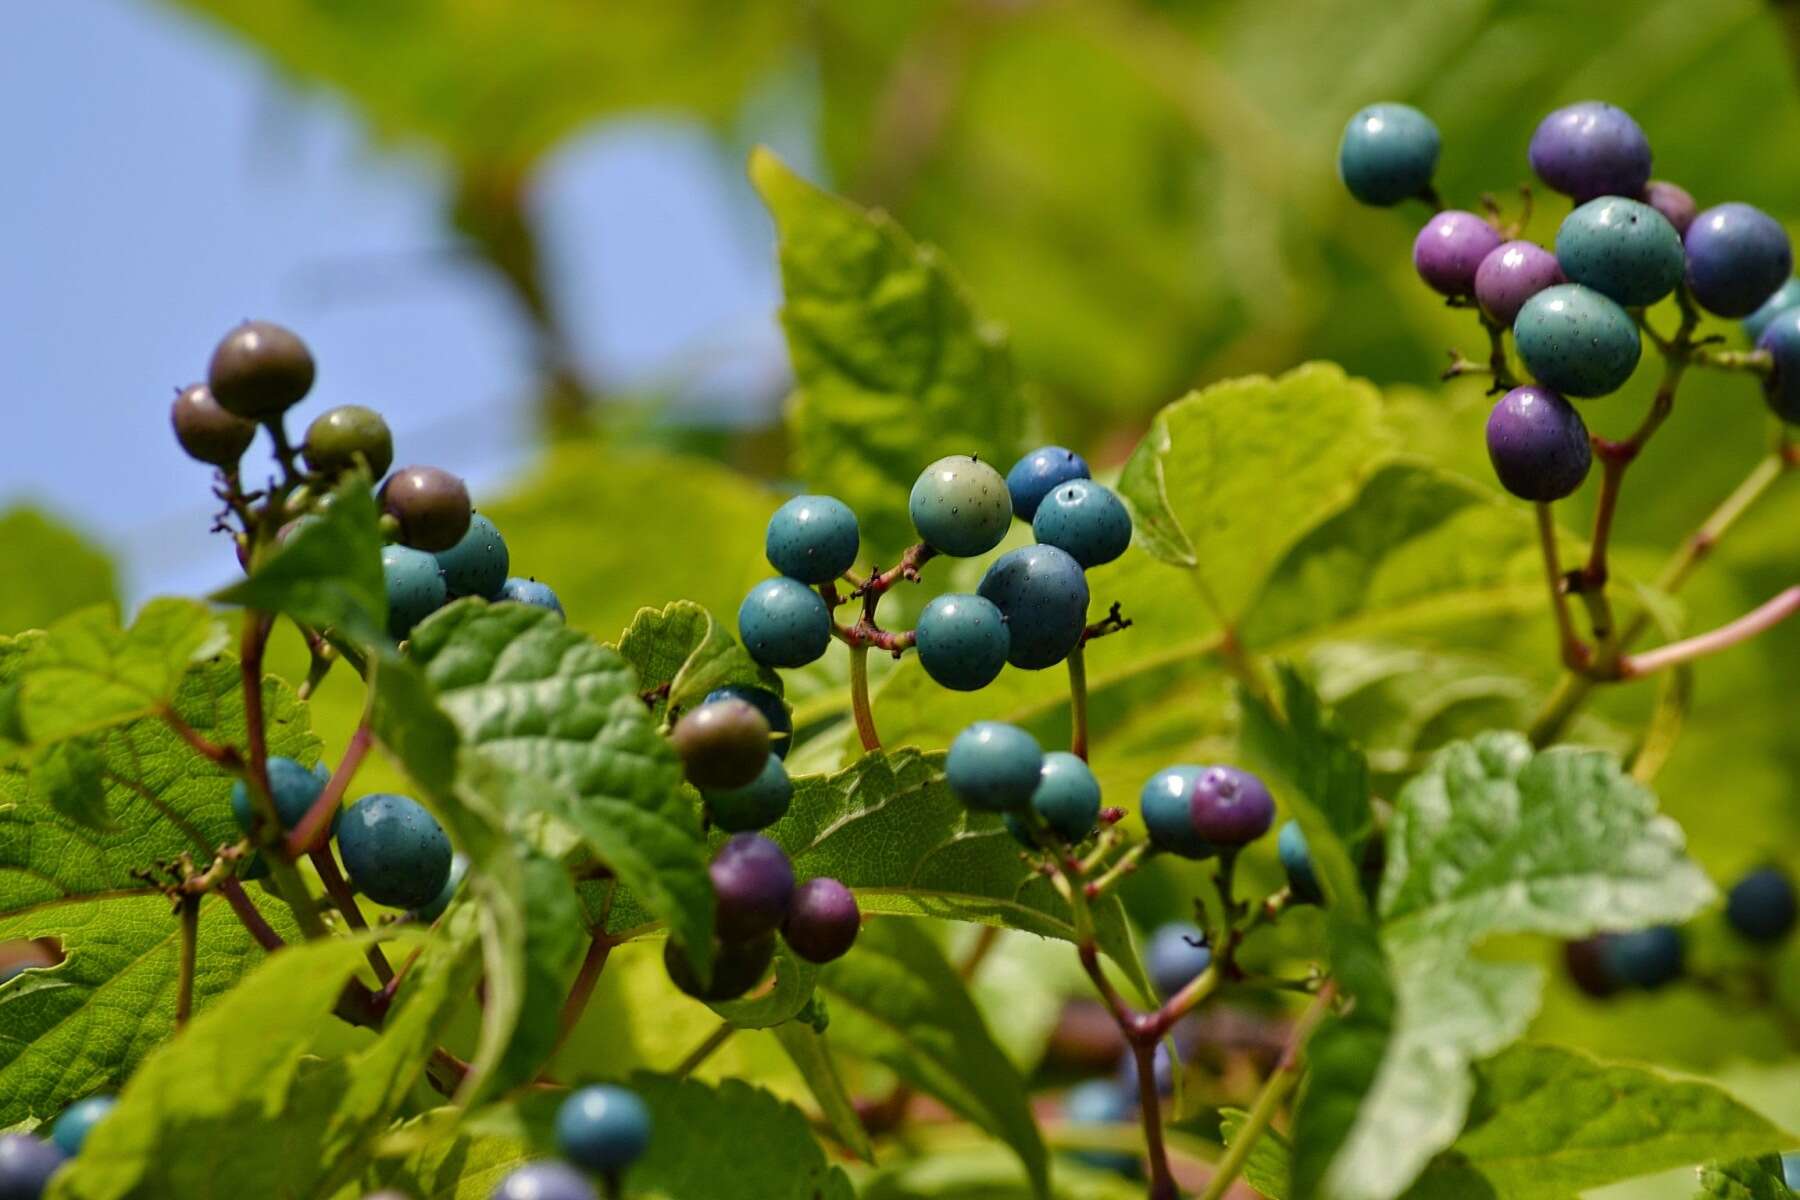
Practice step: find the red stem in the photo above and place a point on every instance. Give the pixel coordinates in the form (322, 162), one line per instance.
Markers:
(339, 890)
(583, 987)
(1758, 620)
(265, 936)
(310, 834)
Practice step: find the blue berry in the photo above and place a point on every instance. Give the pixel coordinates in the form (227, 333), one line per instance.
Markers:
(737, 967)
(1387, 154)
(293, 787)
(1786, 296)
(1538, 444)
(1168, 815)
(1781, 388)
(1044, 596)
(1450, 249)
(1178, 953)
(530, 593)
(602, 1128)
(784, 623)
(1762, 906)
(476, 565)
(415, 588)
(963, 642)
(781, 722)
(1737, 257)
(1067, 796)
(1646, 958)
(546, 1180)
(26, 1165)
(434, 908)
(72, 1127)
(1296, 860)
(960, 506)
(1621, 248)
(1591, 149)
(395, 852)
(753, 883)
(1100, 1102)
(1032, 477)
(756, 805)
(1790, 1169)
(1231, 807)
(1086, 519)
(994, 767)
(1576, 341)
(812, 538)
(822, 921)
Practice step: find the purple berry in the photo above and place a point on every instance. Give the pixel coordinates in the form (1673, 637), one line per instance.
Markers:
(1449, 250)
(26, 1165)
(1673, 201)
(1538, 444)
(1591, 149)
(1737, 256)
(1511, 274)
(546, 1180)
(822, 920)
(1230, 807)
(754, 883)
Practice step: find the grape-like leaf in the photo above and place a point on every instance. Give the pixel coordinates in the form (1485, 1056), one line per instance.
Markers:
(680, 653)
(811, 1053)
(793, 987)
(50, 569)
(70, 777)
(1747, 1179)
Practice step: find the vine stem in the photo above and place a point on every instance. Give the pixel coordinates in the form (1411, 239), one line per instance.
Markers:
(1078, 702)
(859, 698)
(582, 990)
(1574, 652)
(699, 1054)
(339, 890)
(189, 908)
(306, 836)
(253, 921)
(1758, 620)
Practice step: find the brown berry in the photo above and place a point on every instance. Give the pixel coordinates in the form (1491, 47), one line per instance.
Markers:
(206, 431)
(260, 370)
(723, 744)
(431, 506)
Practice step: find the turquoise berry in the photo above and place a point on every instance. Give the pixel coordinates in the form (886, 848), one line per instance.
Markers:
(1101, 1102)
(293, 788)
(1786, 296)
(77, 1120)
(415, 588)
(812, 538)
(1296, 860)
(1067, 796)
(26, 1165)
(1165, 804)
(1781, 388)
(994, 767)
(476, 565)
(1086, 519)
(434, 908)
(784, 623)
(1387, 154)
(1032, 477)
(395, 851)
(1021, 832)
(1623, 249)
(781, 722)
(1790, 1169)
(1043, 595)
(1576, 341)
(603, 1129)
(757, 805)
(1176, 956)
(963, 642)
(960, 506)
(544, 1180)
(530, 593)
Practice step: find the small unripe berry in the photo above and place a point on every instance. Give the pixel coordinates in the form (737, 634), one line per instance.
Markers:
(994, 767)
(434, 908)
(1101, 1102)
(1387, 154)
(1623, 249)
(754, 882)
(415, 588)
(1231, 807)
(1449, 250)
(530, 593)
(603, 1129)
(724, 744)
(1781, 387)
(1588, 962)
(340, 438)
(1086, 519)
(784, 623)
(1762, 905)
(1591, 149)
(1786, 296)
(962, 642)
(737, 967)
(1043, 594)
(260, 370)
(1296, 861)
(1576, 341)
(756, 805)
(26, 1165)
(1538, 444)
(781, 722)
(960, 506)
(293, 787)
(206, 431)
(394, 851)
(1647, 958)
(1067, 797)
(546, 1180)
(822, 921)
(1033, 477)
(812, 538)
(431, 506)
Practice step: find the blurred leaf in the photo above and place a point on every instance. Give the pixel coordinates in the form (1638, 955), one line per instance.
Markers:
(327, 573)
(812, 1057)
(681, 647)
(1267, 1169)
(1748, 1179)
(51, 571)
(988, 1173)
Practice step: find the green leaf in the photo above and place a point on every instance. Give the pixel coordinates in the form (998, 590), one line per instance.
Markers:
(1747, 1179)
(1549, 1122)
(554, 938)
(892, 367)
(70, 777)
(51, 570)
(682, 648)
(327, 573)
(812, 1057)
(987, 1173)
(1267, 1169)
(895, 999)
(794, 980)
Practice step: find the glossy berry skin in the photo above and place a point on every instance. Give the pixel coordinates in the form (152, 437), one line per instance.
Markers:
(1086, 519)
(603, 1129)
(994, 767)
(1449, 250)
(260, 370)
(1387, 154)
(812, 538)
(737, 967)
(292, 787)
(1591, 149)
(963, 642)
(1673, 201)
(347, 435)
(1538, 444)
(26, 1164)
(207, 432)
(415, 588)
(1231, 807)
(72, 1127)
(1100, 1102)
(431, 505)
(546, 1180)
(1576, 341)
(1790, 1169)
(1296, 861)
(1043, 595)
(1032, 477)
(1512, 273)
(822, 921)
(1646, 958)
(1737, 257)
(476, 565)
(781, 722)
(1786, 296)
(960, 506)
(1589, 964)
(1067, 796)
(1164, 803)
(1621, 248)
(784, 623)
(394, 851)
(1781, 388)
(1177, 954)
(753, 882)
(434, 908)
(530, 593)
(756, 805)
(724, 744)
(1761, 906)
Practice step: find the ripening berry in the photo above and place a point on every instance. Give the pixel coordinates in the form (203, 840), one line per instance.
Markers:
(962, 642)
(1086, 519)
(1591, 149)
(724, 744)
(960, 506)
(1576, 341)
(1673, 201)
(530, 593)
(1762, 905)
(602, 1128)
(1388, 154)
(1511, 274)
(1296, 861)
(26, 1165)
(812, 538)
(1032, 477)
(781, 722)
(346, 436)
(1231, 807)
(1786, 296)
(206, 431)
(1449, 250)
(415, 588)
(1067, 797)
(753, 883)
(1623, 249)
(822, 921)
(1165, 804)
(1043, 595)
(737, 967)
(784, 623)
(1646, 958)
(260, 370)
(431, 505)
(1781, 387)
(1178, 953)
(434, 908)
(394, 851)
(545, 1180)
(78, 1120)
(756, 805)
(994, 767)
(1737, 257)
(1538, 444)
(476, 565)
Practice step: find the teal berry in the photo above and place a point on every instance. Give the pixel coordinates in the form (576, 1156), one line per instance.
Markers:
(962, 642)
(530, 593)
(434, 908)
(1032, 477)
(476, 565)
(1101, 1102)
(415, 588)
(395, 851)
(1296, 860)
(1623, 249)
(1576, 341)
(603, 1129)
(1021, 832)
(1165, 804)
(1790, 1169)
(781, 722)
(1086, 519)
(1067, 796)
(1781, 387)
(994, 767)
(293, 787)
(812, 538)
(1043, 595)
(960, 506)
(756, 805)
(784, 623)
(1786, 296)
(72, 1127)
(1388, 154)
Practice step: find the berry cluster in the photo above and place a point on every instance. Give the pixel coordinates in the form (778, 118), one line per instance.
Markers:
(600, 1130)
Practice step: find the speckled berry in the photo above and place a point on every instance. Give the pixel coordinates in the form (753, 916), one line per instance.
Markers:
(78, 1120)
(1576, 341)
(753, 882)
(1647, 958)
(822, 921)
(1449, 250)
(1737, 257)
(546, 1180)
(602, 1128)
(756, 805)
(960, 506)
(1296, 862)
(812, 538)
(1591, 149)
(26, 1165)
(1231, 807)
(394, 851)
(774, 711)
(784, 623)
(430, 504)
(737, 967)
(1032, 477)
(346, 436)
(1623, 249)
(476, 565)
(1043, 595)
(1673, 201)
(963, 642)
(1511, 274)
(1781, 387)
(994, 766)
(1086, 519)
(722, 744)
(1164, 803)
(260, 370)
(206, 431)
(1762, 905)
(1538, 444)
(1387, 154)
(1067, 796)
(434, 908)
(415, 588)
(531, 593)
(1176, 956)
(1786, 296)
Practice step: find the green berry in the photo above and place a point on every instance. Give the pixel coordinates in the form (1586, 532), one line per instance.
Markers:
(348, 436)
(961, 506)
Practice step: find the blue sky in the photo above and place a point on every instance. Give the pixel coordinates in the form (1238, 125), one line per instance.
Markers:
(164, 185)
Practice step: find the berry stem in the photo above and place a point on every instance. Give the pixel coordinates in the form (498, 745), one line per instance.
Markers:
(1758, 620)
(1757, 362)
(188, 907)
(1574, 651)
(1162, 1179)
(1078, 703)
(859, 698)
(253, 921)
(1187, 999)
(699, 1054)
(339, 890)
(1126, 864)
(582, 990)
